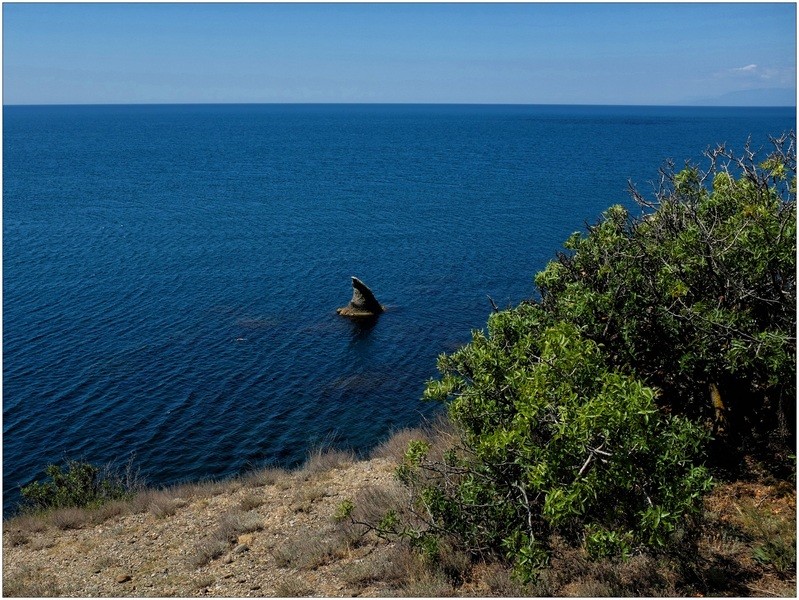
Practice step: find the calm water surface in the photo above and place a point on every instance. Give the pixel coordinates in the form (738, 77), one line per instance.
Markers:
(171, 273)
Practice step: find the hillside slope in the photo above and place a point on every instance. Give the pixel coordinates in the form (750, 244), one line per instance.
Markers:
(273, 533)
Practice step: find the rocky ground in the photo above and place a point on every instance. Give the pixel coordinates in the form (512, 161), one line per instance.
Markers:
(271, 534)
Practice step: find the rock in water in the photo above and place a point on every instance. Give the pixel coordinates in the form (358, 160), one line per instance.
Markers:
(363, 303)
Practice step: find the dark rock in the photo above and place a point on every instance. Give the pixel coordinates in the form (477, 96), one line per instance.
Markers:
(363, 303)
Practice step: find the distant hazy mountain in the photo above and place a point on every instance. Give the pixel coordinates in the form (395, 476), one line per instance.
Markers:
(758, 97)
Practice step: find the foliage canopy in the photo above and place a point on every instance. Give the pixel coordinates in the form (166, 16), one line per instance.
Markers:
(698, 297)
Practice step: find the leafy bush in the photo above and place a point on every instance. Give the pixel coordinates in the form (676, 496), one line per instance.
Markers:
(697, 298)
(581, 414)
(75, 484)
(554, 440)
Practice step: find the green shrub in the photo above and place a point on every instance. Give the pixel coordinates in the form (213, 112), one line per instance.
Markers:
(555, 441)
(698, 297)
(75, 484)
(585, 415)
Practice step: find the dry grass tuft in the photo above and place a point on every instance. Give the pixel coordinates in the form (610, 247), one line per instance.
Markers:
(164, 506)
(394, 447)
(110, 510)
(205, 489)
(104, 562)
(231, 526)
(16, 537)
(27, 523)
(250, 502)
(496, 580)
(27, 583)
(309, 551)
(292, 587)
(371, 504)
(263, 477)
(70, 518)
(322, 462)
(203, 582)
(305, 496)
(408, 575)
(573, 573)
(43, 542)
(159, 503)
(440, 433)
(395, 566)
(208, 549)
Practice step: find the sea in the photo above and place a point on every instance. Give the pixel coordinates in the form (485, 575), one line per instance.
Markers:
(171, 273)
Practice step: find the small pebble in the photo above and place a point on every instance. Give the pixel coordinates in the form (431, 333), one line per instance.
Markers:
(241, 548)
(124, 578)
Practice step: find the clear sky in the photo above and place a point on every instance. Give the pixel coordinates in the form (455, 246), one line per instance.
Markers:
(453, 53)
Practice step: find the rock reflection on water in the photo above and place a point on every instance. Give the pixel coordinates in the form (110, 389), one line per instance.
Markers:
(361, 328)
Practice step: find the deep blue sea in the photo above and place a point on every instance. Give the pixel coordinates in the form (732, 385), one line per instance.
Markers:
(171, 273)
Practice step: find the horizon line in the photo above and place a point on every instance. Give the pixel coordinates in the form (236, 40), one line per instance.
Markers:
(66, 104)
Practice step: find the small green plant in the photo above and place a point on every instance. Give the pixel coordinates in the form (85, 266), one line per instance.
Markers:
(777, 554)
(344, 510)
(414, 453)
(74, 484)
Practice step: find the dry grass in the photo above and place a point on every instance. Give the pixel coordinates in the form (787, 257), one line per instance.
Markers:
(220, 540)
(395, 565)
(207, 488)
(321, 462)
(26, 583)
(235, 523)
(250, 502)
(71, 518)
(292, 587)
(103, 562)
(207, 550)
(263, 477)
(494, 580)
(572, 573)
(748, 545)
(16, 537)
(112, 509)
(373, 502)
(159, 503)
(408, 575)
(306, 495)
(440, 433)
(26, 523)
(309, 550)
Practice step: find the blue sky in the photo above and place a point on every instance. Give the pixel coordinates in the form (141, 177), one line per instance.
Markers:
(451, 53)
